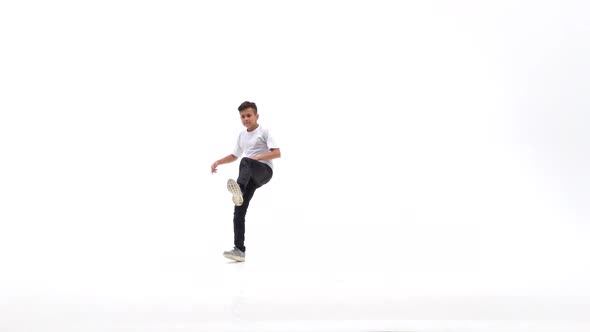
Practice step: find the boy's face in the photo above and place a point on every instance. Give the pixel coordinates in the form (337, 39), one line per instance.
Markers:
(249, 118)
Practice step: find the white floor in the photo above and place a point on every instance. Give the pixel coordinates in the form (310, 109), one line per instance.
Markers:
(251, 313)
(268, 295)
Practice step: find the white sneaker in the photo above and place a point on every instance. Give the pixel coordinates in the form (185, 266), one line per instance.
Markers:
(234, 188)
(235, 254)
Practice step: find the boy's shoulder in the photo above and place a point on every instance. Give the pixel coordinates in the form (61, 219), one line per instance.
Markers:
(261, 129)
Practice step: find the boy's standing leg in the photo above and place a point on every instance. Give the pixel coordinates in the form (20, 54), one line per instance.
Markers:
(253, 175)
(240, 218)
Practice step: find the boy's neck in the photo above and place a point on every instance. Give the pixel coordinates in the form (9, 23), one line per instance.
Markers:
(253, 128)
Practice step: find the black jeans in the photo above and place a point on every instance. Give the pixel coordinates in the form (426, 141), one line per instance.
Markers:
(253, 175)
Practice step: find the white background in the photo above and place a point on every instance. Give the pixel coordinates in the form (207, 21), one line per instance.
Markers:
(430, 149)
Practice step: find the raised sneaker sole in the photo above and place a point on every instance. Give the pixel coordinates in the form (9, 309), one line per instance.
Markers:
(234, 189)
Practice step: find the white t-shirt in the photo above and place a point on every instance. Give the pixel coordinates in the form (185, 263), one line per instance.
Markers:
(256, 142)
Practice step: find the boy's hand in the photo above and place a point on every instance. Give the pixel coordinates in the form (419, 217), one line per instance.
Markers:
(214, 167)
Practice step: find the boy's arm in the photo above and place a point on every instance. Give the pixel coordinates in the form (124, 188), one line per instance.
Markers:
(225, 160)
(274, 153)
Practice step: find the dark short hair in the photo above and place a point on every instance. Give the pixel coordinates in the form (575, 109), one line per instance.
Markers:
(248, 104)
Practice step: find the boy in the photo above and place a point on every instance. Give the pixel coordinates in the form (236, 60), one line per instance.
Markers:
(256, 169)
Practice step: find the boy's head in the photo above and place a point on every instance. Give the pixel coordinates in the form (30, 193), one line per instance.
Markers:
(246, 105)
(249, 115)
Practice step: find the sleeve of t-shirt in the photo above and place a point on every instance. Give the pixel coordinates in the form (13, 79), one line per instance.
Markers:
(237, 149)
(271, 143)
